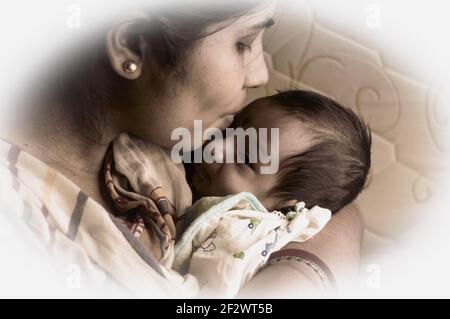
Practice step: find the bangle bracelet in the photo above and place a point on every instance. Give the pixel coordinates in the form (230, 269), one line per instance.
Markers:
(310, 260)
(323, 277)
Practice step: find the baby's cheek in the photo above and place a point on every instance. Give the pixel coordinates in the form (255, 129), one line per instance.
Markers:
(231, 182)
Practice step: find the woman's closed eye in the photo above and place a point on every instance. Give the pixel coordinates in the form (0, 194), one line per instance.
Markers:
(246, 162)
(245, 43)
(242, 47)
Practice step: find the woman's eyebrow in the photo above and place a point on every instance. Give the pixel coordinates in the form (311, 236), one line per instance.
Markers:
(263, 25)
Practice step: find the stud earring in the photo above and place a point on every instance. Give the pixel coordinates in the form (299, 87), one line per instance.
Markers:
(129, 67)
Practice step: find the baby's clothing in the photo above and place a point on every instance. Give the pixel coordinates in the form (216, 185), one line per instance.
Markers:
(229, 239)
(233, 237)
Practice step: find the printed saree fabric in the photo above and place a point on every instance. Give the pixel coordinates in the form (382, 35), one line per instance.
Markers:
(149, 190)
(70, 228)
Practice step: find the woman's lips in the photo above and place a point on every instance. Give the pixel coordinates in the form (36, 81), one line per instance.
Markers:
(224, 121)
(229, 119)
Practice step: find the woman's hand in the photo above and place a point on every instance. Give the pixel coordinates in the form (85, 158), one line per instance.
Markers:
(337, 245)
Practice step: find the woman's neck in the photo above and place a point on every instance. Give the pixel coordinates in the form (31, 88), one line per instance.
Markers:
(73, 149)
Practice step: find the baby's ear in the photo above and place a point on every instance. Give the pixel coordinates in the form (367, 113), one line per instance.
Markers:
(125, 45)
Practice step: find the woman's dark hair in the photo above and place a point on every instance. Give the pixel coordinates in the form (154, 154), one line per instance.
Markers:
(334, 170)
(182, 27)
(87, 85)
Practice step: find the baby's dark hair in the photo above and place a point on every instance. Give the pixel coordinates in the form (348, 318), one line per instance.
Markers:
(334, 170)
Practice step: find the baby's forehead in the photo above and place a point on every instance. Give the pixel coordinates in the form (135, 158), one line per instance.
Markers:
(294, 137)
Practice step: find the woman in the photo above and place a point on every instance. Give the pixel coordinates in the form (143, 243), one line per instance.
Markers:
(146, 76)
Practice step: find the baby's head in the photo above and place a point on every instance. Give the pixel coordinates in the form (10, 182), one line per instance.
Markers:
(324, 154)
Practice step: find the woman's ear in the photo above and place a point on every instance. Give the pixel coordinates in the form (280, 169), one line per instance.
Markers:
(125, 46)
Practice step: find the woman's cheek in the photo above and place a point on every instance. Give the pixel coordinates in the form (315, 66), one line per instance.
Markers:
(229, 72)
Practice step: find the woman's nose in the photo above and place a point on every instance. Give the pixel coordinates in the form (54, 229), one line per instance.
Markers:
(257, 72)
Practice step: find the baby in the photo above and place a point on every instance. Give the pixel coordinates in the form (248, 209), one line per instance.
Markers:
(324, 154)
(243, 216)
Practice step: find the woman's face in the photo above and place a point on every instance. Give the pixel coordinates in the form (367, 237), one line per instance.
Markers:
(218, 73)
